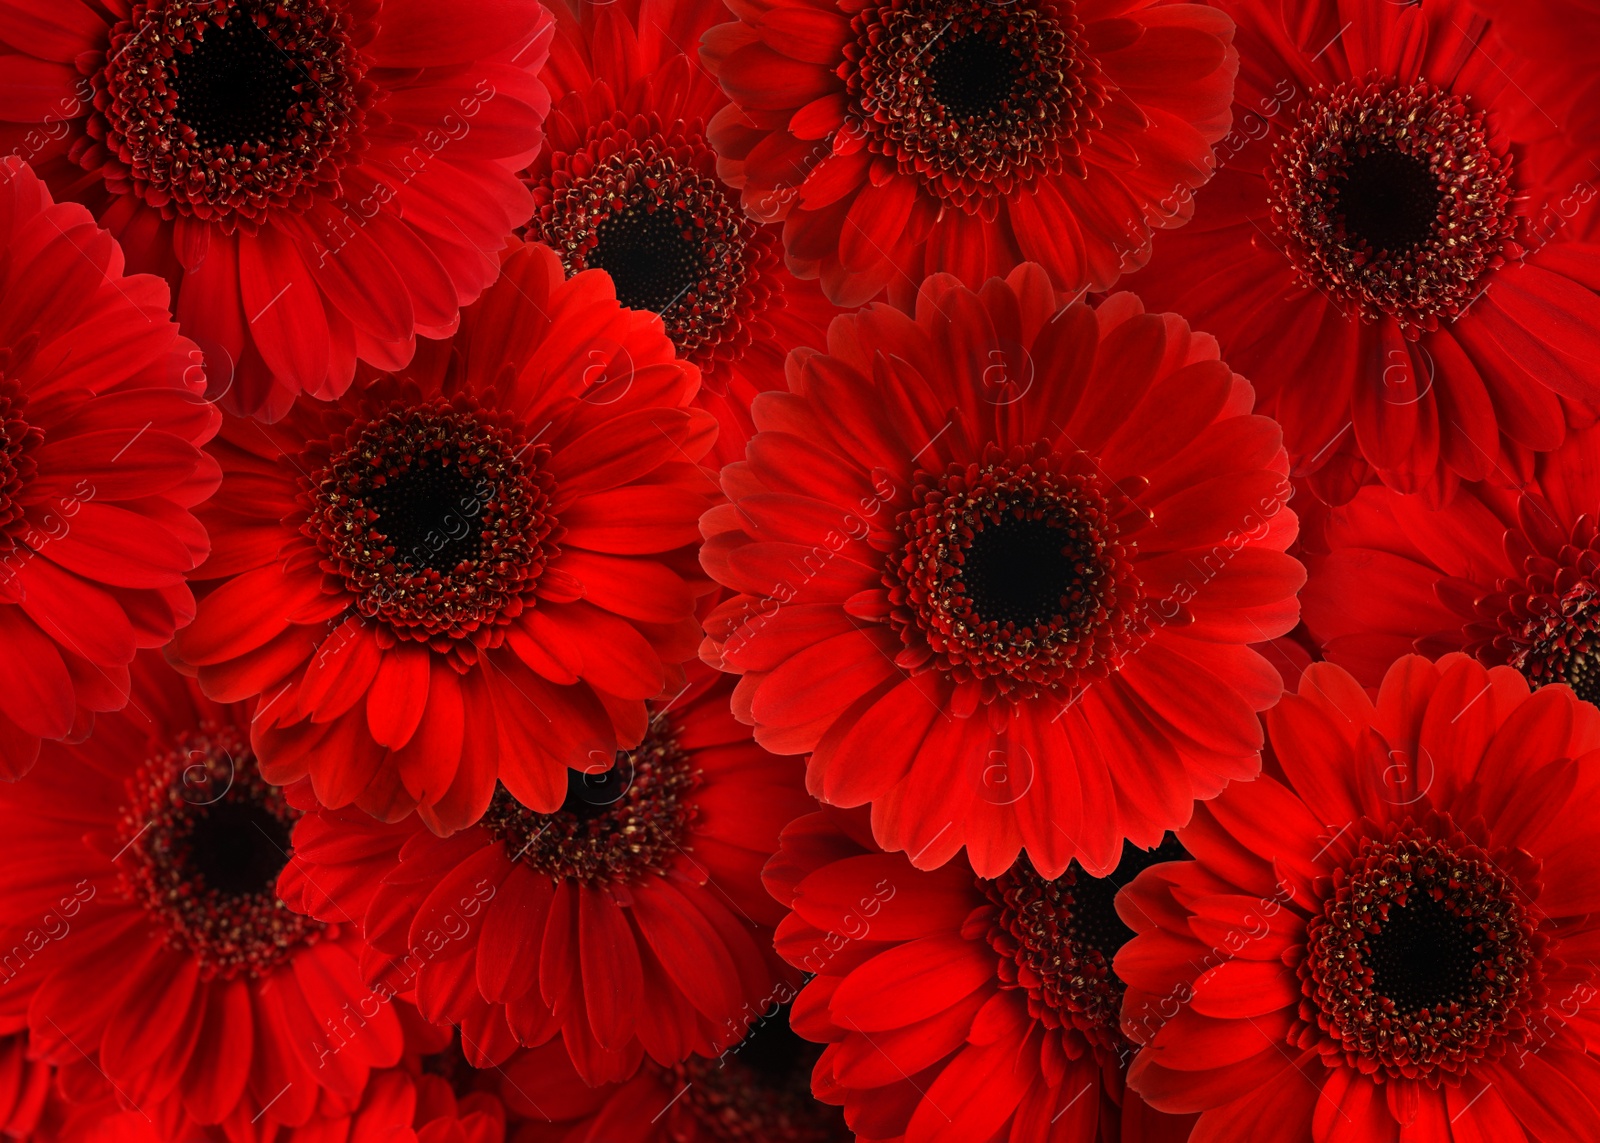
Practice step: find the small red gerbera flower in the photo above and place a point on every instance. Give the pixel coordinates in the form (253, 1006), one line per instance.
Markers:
(999, 566)
(900, 138)
(1510, 576)
(475, 570)
(137, 877)
(627, 183)
(101, 423)
(1394, 935)
(1383, 251)
(756, 1091)
(319, 180)
(957, 1007)
(629, 920)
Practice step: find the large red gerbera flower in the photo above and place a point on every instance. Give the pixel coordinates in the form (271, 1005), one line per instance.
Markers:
(999, 565)
(757, 1091)
(477, 569)
(1510, 576)
(1383, 252)
(960, 1008)
(900, 138)
(145, 939)
(628, 184)
(1394, 936)
(319, 180)
(628, 921)
(101, 423)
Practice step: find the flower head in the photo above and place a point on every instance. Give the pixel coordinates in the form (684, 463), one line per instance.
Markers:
(1390, 930)
(998, 566)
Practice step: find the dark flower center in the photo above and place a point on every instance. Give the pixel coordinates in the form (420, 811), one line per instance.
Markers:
(974, 76)
(1393, 201)
(203, 840)
(238, 847)
(759, 1091)
(437, 519)
(650, 256)
(1389, 200)
(1425, 957)
(1013, 572)
(236, 88)
(974, 100)
(227, 110)
(431, 513)
(1057, 939)
(616, 826)
(1028, 570)
(644, 204)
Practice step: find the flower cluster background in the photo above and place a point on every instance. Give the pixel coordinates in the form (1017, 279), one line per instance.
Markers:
(799, 571)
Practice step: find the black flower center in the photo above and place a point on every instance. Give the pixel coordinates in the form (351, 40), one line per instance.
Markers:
(1392, 201)
(238, 847)
(203, 839)
(437, 517)
(1422, 956)
(973, 76)
(231, 108)
(431, 514)
(1057, 939)
(973, 100)
(591, 793)
(615, 826)
(1014, 572)
(1095, 924)
(1028, 571)
(1389, 200)
(235, 87)
(1425, 957)
(648, 255)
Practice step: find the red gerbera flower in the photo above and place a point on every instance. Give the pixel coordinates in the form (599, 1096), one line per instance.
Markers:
(954, 1007)
(1511, 576)
(628, 184)
(630, 920)
(319, 180)
(999, 568)
(146, 940)
(757, 1091)
(101, 423)
(1381, 251)
(476, 569)
(1392, 937)
(900, 138)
